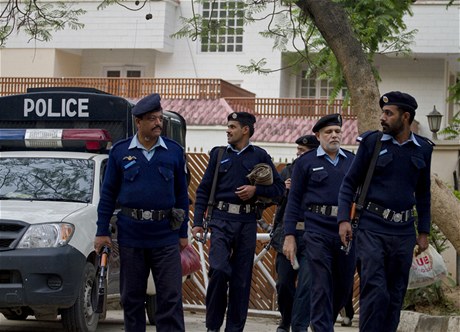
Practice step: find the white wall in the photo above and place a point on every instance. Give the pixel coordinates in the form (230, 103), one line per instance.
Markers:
(94, 61)
(188, 61)
(112, 28)
(422, 78)
(438, 27)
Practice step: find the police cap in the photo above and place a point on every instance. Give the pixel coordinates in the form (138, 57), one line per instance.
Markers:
(245, 118)
(328, 120)
(401, 99)
(308, 140)
(150, 103)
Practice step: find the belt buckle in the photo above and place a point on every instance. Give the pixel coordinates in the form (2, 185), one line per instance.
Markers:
(397, 217)
(334, 211)
(233, 208)
(146, 215)
(386, 213)
(323, 209)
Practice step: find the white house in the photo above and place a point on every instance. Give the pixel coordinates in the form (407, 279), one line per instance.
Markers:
(120, 42)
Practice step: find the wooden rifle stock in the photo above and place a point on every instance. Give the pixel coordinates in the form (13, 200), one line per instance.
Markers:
(103, 265)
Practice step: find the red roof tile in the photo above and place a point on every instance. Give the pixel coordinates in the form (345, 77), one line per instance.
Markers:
(212, 112)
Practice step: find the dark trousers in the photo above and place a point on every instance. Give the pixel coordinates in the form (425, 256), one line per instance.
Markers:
(231, 257)
(293, 290)
(385, 264)
(135, 266)
(332, 275)
(285, 289)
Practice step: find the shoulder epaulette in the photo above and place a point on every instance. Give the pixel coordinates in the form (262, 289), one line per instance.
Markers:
(122, 141)
(169, 140)
(216, 148)
(366, 134)
(426, 139)
(347, 151)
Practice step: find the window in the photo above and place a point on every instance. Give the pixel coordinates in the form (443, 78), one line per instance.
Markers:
(123, 71)
(311, 87)
(222, 26)
(129, 89)
(320, 90)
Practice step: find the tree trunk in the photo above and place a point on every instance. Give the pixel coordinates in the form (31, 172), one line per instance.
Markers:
(332, 21)
(445, 211)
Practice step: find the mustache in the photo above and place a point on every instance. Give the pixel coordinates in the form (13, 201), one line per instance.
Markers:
(159, 127)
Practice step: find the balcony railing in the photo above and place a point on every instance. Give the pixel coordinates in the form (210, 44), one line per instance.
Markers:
(290, 107)
(186, 88)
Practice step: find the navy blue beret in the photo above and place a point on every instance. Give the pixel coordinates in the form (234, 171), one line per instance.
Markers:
(307, 140)
(147, 104)
(328, 120)
(245, 118)
(398, 98)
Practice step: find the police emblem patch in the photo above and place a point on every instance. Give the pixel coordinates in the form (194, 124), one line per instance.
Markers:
(234, 115)
(129, 158)
(385, 99)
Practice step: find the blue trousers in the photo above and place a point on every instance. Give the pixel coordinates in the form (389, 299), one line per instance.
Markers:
(293, 290)
(385, 264)
(231, 257)
(165, 264)
(332, 276)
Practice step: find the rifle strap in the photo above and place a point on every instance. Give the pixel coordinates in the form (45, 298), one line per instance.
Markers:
(214, 180)
(370, 172)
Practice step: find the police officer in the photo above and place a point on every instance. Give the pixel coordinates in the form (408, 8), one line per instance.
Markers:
(233, 224)
(151, 227)
(288, 294)
(314, 190)
(386, 235)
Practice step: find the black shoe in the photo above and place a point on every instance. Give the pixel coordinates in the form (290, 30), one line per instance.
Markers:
(213, 330)
(282, 329)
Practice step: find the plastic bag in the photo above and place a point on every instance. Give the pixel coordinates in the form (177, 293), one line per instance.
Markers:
(190, 260)
(427, 268)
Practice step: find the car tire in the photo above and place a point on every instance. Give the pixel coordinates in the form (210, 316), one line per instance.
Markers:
(81, 316)
(151, 308)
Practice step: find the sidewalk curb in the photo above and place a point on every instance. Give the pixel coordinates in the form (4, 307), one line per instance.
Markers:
(416, 322)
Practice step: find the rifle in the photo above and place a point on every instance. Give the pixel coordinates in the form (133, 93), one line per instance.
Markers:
(360, 195)
(102, 278)
(211, 200)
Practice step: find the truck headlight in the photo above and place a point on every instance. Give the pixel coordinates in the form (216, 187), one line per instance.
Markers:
(47, 235)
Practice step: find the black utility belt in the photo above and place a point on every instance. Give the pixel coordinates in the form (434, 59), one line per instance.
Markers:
(149, 215)
(327, 210)
(234, 208)
(388, 214)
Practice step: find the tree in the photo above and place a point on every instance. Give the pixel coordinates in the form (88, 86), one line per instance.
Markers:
(36, 19)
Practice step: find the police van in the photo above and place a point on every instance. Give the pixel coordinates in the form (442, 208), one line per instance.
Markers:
(54, 145)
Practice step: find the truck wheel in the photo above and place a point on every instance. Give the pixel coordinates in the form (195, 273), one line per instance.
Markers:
(151, 307)
(81, 316)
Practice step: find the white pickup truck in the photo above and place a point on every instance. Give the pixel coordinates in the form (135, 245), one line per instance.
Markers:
(49, 192)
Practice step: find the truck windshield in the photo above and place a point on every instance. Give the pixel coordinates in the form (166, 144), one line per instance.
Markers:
(56, 179)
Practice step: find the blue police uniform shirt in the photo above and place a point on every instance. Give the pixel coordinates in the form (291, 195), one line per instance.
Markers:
(147, 153)
(233, 169)
(401, 180)
(316, 180)
(135, 182)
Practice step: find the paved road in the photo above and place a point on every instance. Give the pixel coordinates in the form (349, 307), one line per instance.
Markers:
(194, 322)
